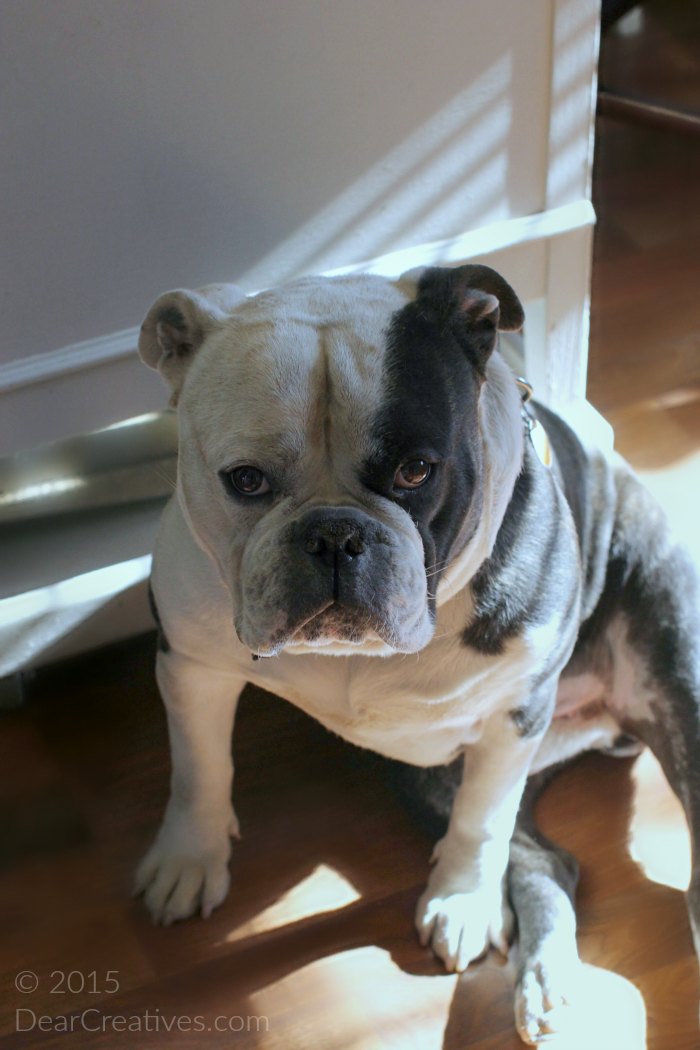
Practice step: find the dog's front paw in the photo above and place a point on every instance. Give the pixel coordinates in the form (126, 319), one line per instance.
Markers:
(461, 924)
(186, 868)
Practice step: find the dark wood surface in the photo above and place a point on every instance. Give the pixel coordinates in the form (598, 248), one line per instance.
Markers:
(316, 938)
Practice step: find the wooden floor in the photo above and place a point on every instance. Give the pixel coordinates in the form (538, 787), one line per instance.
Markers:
(316, 937)
(315, 947)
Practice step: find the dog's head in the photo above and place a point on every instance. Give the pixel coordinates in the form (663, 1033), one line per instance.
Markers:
(334, 455)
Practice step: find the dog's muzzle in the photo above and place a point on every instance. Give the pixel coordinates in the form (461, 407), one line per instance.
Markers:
(334, 574)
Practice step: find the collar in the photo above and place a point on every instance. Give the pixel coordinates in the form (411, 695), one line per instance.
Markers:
(533, 426)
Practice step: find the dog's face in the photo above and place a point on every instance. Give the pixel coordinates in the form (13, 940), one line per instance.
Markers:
(331, 460)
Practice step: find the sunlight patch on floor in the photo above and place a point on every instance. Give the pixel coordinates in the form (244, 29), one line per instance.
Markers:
(323, 890)
(361, 999)
(676, 487)
(432, 1012)
(658, 836)
(608, 1012)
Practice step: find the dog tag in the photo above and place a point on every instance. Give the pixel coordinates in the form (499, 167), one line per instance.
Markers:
(540, 441)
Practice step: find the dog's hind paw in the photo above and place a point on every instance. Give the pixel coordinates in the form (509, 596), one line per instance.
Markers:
(542, 995)
(186, 869)
(561, 1000)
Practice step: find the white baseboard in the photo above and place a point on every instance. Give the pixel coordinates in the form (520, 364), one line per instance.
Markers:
(85, 586)
(75, 615)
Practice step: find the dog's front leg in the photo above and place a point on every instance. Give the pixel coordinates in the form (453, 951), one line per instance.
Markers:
(462, 910)
(186, 868)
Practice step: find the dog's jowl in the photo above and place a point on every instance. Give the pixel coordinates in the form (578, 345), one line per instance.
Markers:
(359, 506)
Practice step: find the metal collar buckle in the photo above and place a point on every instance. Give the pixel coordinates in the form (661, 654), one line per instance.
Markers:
(539, 438)
(526, 394)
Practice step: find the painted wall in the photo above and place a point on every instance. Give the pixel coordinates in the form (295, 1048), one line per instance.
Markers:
(157, 143)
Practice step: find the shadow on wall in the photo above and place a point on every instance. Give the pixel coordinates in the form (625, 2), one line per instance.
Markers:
(458, 171)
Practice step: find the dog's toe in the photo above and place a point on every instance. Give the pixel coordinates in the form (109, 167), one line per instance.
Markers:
(160, 888)
(145, 873)
(216, 884)
(184, 898)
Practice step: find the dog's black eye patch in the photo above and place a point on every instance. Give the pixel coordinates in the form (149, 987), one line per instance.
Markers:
(430, 412)
(403, 476)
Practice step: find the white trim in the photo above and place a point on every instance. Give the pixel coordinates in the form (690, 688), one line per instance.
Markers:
(575, 41)
(557, 364)
(487, 239)
(95, 586)
(33, 624)
(39, 368)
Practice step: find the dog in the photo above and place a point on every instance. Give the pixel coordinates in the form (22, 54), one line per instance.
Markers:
(362, 526)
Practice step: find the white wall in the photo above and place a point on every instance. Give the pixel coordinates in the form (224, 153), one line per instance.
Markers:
(157, 143)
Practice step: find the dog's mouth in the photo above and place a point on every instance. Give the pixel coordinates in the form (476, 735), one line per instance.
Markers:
(333, 625)
(335, 622)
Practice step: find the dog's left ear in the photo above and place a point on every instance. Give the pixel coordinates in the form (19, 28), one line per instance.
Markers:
(478, 299)
(178, 323)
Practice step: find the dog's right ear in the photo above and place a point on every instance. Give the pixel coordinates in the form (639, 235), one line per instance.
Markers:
(178, 323)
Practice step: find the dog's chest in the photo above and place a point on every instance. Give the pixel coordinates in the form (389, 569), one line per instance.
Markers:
(420, 709)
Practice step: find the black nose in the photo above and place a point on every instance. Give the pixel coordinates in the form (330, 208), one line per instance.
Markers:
(333, 535)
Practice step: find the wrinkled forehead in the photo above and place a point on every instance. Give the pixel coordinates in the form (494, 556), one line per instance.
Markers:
(293, 364)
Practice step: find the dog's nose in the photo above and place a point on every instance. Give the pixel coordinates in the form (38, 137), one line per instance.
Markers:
(333, 535)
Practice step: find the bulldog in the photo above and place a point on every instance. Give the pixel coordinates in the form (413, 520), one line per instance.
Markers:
(362, 526)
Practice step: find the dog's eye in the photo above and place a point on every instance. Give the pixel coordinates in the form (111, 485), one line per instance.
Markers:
(248, 481)
(412, 474)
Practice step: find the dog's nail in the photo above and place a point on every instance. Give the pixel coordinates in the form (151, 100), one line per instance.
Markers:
(501, 945)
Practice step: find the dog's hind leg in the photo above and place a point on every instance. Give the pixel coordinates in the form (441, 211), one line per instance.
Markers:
(671, 728)
(542, 881)
(654, 633)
